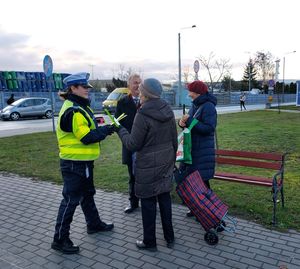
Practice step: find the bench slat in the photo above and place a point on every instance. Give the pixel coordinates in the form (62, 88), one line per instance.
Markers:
(244, 179)
(247, 154)
(248, 163)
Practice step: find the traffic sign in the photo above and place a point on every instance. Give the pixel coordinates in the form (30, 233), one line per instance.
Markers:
(48, 65)
(271, 83)
(196, 66)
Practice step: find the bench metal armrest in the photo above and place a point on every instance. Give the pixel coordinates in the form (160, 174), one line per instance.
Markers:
(275, 178)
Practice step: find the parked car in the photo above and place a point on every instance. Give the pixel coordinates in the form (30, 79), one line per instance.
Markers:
(27, 107)
(112, 99)
(255, 91)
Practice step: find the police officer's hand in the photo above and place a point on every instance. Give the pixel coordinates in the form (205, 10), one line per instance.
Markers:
(108, 129)
(117, 128)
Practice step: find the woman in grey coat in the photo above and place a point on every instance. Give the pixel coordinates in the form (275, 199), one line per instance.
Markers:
(154, 139)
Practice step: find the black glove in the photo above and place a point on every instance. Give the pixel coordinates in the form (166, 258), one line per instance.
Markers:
(116, 128)
(108, 129)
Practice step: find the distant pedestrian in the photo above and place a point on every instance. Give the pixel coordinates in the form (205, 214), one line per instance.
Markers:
(242, 101)
(11, 99)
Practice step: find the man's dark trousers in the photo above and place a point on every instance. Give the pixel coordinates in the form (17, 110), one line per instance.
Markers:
(134, 201)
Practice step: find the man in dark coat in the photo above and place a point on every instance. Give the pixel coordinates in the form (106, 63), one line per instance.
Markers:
(203, 133)
(154, 139)
(129, 105)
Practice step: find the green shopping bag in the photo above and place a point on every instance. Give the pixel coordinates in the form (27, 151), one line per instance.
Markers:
(183, 153)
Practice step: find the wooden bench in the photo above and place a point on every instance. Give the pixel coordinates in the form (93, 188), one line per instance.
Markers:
(269, 161)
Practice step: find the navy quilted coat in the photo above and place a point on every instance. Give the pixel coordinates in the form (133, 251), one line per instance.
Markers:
(203, 135)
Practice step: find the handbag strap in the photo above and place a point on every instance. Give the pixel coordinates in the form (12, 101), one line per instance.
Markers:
(193, 123)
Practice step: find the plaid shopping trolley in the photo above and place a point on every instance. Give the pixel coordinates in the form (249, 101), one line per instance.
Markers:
(209, 210)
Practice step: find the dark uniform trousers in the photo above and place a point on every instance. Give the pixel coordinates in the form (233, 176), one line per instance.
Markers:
(78, 188)
(134, 201)
(149, 216)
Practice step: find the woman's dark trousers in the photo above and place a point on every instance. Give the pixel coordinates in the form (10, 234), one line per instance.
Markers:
(149, 217)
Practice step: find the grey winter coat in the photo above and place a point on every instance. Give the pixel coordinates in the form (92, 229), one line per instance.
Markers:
(154, 139)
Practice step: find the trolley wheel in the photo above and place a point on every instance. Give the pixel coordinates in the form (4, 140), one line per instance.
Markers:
(211, 237)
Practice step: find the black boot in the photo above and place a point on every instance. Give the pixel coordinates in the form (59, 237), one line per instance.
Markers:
(141, 245)
(65, 246)
(170, 243)
(129, 209)
(102, 227)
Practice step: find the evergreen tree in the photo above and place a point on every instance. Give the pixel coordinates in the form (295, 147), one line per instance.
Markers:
(249, 70)
(227, 82)
(119, 83)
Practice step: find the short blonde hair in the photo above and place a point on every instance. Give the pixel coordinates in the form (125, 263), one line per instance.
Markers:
(132, 76)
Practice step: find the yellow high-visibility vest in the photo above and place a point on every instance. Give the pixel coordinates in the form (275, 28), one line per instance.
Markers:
(70, 146)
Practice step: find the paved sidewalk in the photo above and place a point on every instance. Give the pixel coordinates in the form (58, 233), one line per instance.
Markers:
(27, 216)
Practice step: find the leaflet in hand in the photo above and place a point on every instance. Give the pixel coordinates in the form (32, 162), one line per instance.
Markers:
(115, 121)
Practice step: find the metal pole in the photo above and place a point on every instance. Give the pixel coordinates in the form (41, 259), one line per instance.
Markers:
(283, 86)
(52, 108)
(179, 65)
(276, 78)
(249, 75)
(283, 71)
(92, 69)
(179, 70)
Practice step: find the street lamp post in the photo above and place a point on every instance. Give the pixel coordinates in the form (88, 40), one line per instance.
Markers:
(283, 71)
(179, 69)
(92, 67)
(179, 63)
(249, 75)
(249, 71)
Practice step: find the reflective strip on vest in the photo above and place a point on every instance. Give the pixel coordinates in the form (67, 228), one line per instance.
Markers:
(70, 146)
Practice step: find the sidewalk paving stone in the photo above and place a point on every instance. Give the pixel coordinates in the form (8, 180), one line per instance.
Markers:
(28, 211)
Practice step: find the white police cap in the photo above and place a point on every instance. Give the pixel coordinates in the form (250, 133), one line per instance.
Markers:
(78, 79)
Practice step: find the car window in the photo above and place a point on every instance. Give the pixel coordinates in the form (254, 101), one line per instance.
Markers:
(27, 103)
(18, 102)
(38, 102)
(113, 96)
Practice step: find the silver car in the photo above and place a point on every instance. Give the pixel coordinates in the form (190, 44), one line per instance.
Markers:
(27, 107)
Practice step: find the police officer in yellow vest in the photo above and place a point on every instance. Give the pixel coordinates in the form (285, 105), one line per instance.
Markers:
(78, 139)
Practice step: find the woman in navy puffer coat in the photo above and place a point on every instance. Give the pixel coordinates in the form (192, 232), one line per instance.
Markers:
(203, 133)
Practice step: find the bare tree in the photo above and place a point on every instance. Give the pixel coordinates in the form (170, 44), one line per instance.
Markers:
(123, 72)
(186, 74)
(264, 62)
(216, 68)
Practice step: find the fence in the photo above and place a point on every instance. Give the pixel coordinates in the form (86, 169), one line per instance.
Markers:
(98, 97)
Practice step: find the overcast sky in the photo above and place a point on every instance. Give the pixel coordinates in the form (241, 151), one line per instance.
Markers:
(143, 35)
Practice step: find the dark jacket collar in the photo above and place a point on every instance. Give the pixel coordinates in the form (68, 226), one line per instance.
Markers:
(78, 100)
(208, 97)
